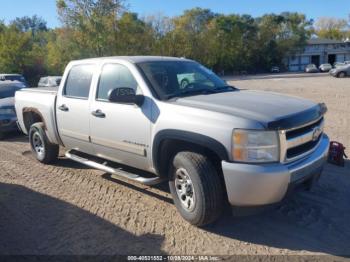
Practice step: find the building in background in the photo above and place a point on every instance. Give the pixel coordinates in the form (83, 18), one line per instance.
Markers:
(319, 51)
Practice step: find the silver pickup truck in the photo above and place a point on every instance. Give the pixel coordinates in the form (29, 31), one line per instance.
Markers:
(173, 119)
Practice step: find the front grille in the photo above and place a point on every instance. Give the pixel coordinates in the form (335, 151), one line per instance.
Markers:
(300, 131)
(299, 150)
(298, 142)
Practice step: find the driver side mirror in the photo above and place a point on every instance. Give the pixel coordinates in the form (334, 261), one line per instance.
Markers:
(125, 95)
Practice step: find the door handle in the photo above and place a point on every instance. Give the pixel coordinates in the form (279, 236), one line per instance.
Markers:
(63, 108)
(98, 113)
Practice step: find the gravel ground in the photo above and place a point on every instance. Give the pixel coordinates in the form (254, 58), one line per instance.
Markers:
(69, 209)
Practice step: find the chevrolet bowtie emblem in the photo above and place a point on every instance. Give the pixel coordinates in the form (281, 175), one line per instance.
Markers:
(316, 133)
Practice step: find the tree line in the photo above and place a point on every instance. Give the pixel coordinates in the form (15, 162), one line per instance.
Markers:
(92, 28)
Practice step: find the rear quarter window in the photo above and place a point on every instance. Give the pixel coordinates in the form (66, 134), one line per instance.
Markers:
(78, 82)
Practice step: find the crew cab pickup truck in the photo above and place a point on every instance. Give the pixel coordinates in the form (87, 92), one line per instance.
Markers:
(212, 142)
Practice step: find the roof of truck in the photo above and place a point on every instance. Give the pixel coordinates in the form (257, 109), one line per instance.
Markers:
(136, 59)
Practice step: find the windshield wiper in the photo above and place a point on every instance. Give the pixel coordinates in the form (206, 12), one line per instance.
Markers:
(202, 92)
(190, 93)
(224, 88)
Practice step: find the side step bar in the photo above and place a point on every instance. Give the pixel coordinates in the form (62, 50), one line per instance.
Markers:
(115, 172)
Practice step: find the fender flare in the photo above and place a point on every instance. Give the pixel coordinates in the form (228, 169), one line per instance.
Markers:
(190, 137)
(35, 111)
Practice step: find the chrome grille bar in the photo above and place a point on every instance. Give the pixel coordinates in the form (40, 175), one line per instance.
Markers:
(310, 135)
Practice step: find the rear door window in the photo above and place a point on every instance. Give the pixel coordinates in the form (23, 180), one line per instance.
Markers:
(78, 82)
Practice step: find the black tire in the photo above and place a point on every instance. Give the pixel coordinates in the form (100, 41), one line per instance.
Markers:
(207, 188)
(341, 74)
(48, 153)
(2, 136)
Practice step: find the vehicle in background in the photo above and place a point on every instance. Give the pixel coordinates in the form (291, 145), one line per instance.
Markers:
(275, 69)
(338, 64)
(341, 71)
(7, 107)
(347, 62)
(186, 80)
(311, 68)
(50, 81)
(211, 142)
(12, 78)
(325, 67)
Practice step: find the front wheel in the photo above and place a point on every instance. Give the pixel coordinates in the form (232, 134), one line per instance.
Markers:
(44, 151)
(341, 75)
(196, 188)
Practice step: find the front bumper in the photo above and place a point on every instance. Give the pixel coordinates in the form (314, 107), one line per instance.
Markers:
(333, 73)
(8, 124)
(255, 185)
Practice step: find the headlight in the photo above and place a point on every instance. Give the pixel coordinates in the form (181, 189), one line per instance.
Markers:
(7, 111)
(255, 146)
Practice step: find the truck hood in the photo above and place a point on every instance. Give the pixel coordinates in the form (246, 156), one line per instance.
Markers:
(272, 110)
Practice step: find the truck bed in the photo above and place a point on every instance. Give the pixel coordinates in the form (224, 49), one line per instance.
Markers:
(40, 101)
(42, 89)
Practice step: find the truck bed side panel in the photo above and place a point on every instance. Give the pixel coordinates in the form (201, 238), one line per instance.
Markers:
(42, 102)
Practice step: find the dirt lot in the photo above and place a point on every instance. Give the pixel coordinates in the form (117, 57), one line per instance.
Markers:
(70, 209)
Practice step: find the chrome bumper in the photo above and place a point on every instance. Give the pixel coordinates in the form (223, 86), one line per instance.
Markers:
(254, 185)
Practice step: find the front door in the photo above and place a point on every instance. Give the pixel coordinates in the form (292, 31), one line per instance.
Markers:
(120, 132)
(72, 107)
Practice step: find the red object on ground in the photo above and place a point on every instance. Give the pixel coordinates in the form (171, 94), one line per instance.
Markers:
(337, 153)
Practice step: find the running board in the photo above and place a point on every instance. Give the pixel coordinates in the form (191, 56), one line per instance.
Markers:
(115, 172)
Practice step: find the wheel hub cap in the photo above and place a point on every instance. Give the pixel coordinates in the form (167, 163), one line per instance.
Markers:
(38, 144)
(185, 190)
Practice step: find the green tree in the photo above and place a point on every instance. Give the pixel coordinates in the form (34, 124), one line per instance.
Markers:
(137, 37)
(32, 24)
(332, 28)
(23, 48)
(15, 48)
(189, 36)
(225, 43)
(61, 50)
(280, 36)
(93, 24)
(231, 40)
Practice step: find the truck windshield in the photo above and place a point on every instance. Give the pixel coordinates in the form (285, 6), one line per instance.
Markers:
(171, 79)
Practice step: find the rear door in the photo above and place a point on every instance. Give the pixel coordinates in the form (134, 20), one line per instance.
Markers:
(73, 108)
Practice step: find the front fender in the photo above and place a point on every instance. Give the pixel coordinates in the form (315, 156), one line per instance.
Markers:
(190, 137)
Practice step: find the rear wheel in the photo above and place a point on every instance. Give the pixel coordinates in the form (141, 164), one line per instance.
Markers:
(196, 188)
(44, 151)
(2, 136)
(341, 74)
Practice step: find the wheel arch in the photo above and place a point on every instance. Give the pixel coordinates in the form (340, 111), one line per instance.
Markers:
(172, 141)
(32, 116)
(341, 72)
